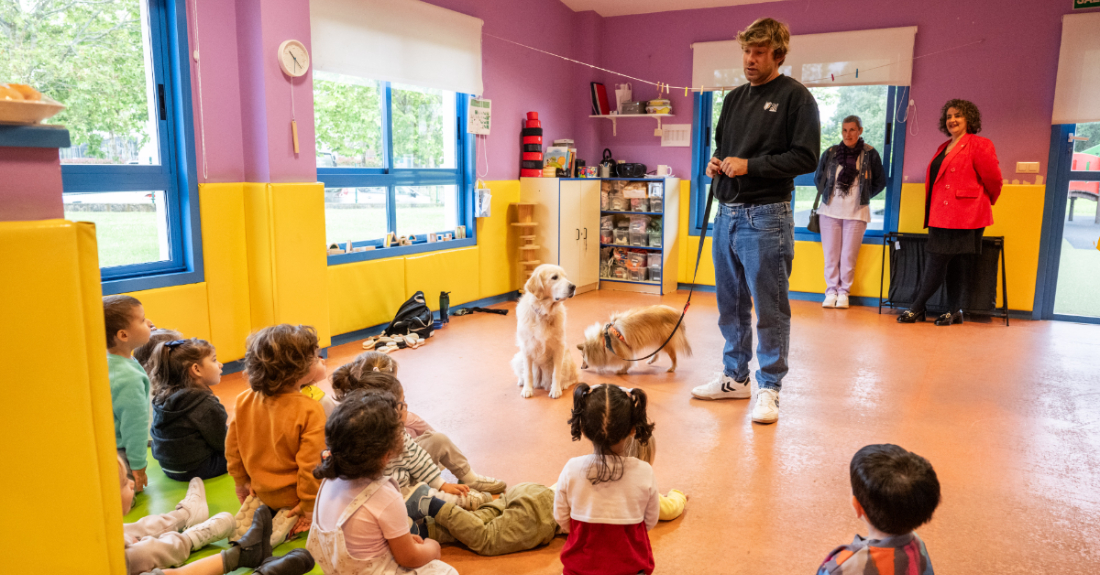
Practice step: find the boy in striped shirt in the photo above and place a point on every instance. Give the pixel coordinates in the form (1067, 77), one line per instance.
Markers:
(894, 491)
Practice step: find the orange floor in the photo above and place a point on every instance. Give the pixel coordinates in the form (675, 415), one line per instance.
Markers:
(1007, 416)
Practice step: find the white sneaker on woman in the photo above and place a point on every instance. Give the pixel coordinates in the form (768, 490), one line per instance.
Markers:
(723, 387)
(830, 300)
(842, 301)
(767, 406)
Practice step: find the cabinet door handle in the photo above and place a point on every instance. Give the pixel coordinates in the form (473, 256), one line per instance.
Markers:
(578, 234)
(586, 233)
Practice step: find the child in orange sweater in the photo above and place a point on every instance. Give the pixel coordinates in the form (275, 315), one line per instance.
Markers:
(277, 435)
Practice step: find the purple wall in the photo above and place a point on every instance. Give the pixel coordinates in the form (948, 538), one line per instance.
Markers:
(217, 42)
(30, 184)
(1010, 76)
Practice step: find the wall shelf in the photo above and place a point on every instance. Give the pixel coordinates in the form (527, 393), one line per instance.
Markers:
(616, 117)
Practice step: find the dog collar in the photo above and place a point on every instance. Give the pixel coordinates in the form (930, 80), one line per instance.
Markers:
(610, 330)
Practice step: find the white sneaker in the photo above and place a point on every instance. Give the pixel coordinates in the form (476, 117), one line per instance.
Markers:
(842, 301)
(194, 503)
(483, 483)
(217, 527)
(767, 406)
(474, 499)
(723, 387)
(830, 300)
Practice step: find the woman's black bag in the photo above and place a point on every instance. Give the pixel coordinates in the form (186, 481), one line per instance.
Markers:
(412, 317)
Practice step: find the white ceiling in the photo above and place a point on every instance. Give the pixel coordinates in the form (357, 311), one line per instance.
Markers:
(607, 8)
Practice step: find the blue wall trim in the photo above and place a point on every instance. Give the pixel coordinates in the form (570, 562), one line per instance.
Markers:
(36, 136)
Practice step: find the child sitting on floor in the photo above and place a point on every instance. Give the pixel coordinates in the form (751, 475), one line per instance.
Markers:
(156, 337)
(894, 491)
(277, 435)
(608, 501)
(360, 524)
(127, 330)
(189, 423)
(413, 465)
(154, 543)
(442, 450)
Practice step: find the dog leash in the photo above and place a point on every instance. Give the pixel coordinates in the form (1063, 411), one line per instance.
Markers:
(698, 257)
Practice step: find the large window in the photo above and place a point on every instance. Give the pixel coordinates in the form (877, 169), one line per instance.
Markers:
(393, 158)
(875, 105)
(110, 62)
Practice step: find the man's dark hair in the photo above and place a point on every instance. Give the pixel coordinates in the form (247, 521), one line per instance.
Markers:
(897, 489)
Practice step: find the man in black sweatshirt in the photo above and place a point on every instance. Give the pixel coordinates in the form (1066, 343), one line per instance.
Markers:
(768, 133)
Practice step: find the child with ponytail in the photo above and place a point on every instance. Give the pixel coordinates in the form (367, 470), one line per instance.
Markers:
(608, 501)
(360, 524)
(189, 423)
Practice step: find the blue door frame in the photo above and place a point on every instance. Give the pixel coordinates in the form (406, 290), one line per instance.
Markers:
(1054, 214)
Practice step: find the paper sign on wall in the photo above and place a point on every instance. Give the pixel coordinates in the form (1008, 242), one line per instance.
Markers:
(477, 120)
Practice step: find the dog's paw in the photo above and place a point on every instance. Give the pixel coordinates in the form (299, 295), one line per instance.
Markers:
(671, 369)
(622, 371)
(555, 393)
(526, 392)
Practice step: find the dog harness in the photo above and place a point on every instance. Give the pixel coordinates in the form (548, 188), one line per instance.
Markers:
(610, 330)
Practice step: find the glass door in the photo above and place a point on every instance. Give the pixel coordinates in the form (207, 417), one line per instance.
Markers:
(1076, 226)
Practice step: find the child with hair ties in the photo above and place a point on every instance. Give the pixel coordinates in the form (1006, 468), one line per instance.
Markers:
(155, 543)
(523, 518)
(156, 337)
(442, 450)
(127, 330)
(359, 523)
(277, 435)
(189, 423)
(413, 465)
(607, 501)
(894, 491)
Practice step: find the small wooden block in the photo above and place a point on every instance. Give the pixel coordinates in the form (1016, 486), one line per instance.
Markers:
(531, 247)
(525, 224)
(531, 263)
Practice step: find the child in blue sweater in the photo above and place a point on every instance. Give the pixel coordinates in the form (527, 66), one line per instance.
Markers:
(127, 330)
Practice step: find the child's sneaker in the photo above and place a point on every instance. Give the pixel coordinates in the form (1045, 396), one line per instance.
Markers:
(295, 562)
(723, 387)
(417, 501)
(483, 483)
(194, 503)
(474, 499)
(217, 527)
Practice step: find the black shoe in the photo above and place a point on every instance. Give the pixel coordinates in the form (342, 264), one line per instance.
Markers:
(910, 316)
(255, 544)
(950, 318)
(295, 562)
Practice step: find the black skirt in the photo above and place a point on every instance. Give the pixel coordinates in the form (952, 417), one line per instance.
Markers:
(951, 242)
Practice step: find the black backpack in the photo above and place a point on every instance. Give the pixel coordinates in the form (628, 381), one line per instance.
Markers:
(412, 317)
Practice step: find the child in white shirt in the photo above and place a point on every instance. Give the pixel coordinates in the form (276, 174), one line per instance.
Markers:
(608, 501)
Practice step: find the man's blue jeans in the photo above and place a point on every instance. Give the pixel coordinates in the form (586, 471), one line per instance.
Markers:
(753, 249)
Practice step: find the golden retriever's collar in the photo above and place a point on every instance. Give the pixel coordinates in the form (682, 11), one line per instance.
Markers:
(610, 330)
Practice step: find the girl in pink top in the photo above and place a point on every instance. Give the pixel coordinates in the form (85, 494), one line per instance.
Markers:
(607, 502)
(360, 523)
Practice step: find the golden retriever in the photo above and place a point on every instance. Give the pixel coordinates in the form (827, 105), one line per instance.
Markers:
(642, 331)
(543, 359)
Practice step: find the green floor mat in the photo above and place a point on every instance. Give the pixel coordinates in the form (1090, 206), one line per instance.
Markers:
(162, 494)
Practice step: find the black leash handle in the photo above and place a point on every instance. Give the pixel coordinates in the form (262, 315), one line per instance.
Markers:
(691, 290)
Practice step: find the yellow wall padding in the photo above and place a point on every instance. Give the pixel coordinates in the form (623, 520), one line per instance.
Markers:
(56, 302)
(454, 271)
(225, 261)
(365, 294)
(287, 263)
(1018, 216)
(496, 241)
(182, 308)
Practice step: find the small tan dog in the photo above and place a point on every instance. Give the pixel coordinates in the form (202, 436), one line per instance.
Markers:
(632, 334)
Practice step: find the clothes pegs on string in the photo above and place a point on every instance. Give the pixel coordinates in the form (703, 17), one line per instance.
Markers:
(857, 72)
(833, 77)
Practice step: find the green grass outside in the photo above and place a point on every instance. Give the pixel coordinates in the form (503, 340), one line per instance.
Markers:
(1078, 282)
(124, 238)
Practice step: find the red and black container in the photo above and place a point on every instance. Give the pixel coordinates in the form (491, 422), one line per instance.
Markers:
(530, 165)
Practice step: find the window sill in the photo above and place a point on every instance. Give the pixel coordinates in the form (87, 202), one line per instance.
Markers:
(398, 251)
(127, 285)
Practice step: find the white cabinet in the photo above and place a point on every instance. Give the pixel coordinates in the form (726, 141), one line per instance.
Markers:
(568, 212)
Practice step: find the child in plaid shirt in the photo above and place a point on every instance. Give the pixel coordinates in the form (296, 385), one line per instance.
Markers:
(894, 491)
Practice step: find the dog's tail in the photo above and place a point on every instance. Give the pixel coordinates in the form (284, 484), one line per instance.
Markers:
(685, 346)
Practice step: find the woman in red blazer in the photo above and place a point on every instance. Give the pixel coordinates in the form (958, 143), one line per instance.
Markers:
(961, 186)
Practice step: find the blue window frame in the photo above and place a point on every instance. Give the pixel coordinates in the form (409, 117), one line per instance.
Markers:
(167, 180)
(707, 108)
(378, 177)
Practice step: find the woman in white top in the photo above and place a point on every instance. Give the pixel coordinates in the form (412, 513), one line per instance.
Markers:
(848, 175)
